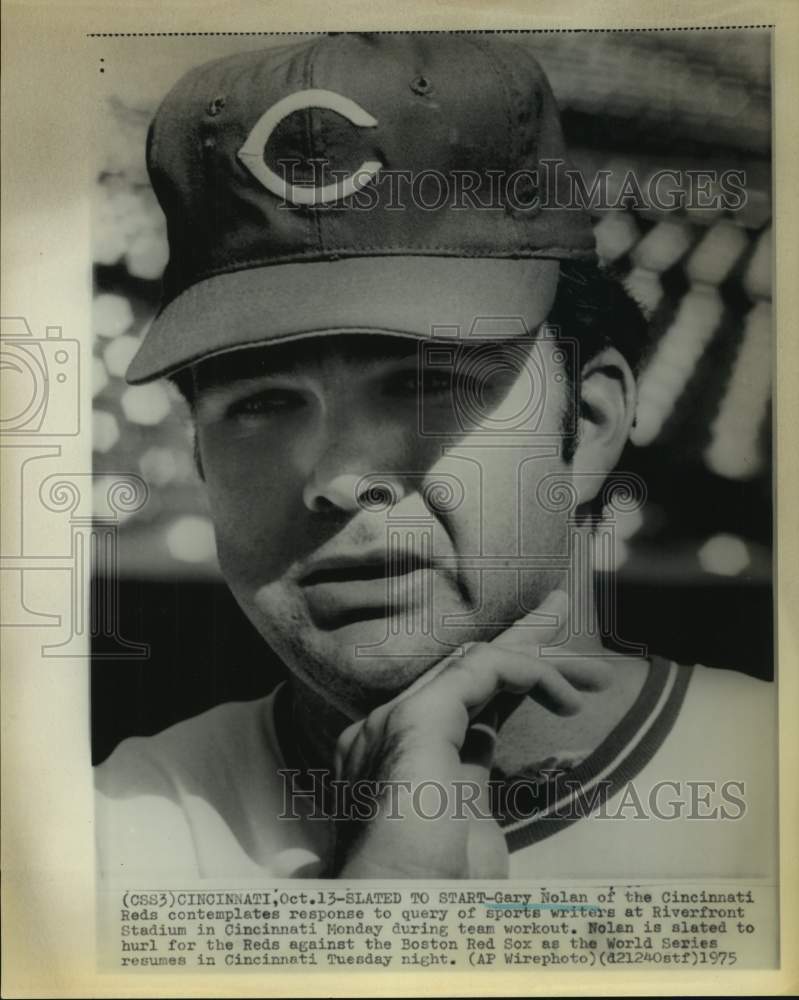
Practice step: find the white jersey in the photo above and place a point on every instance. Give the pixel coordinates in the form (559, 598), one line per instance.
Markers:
(204, 797)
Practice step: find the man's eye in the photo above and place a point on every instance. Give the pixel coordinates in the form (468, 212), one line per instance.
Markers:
(427, 382)
(269, 402)
(437, 381)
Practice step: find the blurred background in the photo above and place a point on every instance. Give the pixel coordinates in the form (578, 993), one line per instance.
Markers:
(694, 565)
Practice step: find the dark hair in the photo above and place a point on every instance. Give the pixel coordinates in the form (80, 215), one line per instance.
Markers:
(593, 310)
(593, 306)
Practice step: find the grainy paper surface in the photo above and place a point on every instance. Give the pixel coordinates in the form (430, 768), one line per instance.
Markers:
(107, 536)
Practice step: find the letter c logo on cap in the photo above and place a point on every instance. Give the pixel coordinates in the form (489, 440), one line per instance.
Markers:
(251, 153)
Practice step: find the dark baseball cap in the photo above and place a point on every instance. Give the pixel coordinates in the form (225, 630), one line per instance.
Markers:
(388, 183)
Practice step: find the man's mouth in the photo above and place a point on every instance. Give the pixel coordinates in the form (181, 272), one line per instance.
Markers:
(347, 568)
(355, 586)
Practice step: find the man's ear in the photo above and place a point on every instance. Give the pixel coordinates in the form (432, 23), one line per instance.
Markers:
(607, 411)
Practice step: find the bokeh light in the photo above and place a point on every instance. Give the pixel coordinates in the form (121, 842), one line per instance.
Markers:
(105, 431)
(191, 539)
(662, 246)
(716, 254)
(146, 404)
(615, 234)
(675, 360)
(147, 255)
(757, 280)
(119, 354)
(161, 466)
(111, 315)
(735, 450)
(724, 555)
(645, 288)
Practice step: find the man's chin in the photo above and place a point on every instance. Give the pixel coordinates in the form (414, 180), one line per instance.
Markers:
(364, 663)
(382, 654)
(365, 655)
(392, 636)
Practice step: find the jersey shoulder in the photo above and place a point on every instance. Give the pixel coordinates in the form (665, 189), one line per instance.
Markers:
(199, 798)
(726, 731)
(730, 710)
(193, 756)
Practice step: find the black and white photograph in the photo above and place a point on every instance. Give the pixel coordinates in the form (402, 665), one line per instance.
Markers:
(428, 542)
(464, 395)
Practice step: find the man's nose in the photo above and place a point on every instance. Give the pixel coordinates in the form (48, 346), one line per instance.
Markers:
(350, 492)
(347, 474)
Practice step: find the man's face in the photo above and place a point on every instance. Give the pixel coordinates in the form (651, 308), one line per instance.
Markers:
(375, 498)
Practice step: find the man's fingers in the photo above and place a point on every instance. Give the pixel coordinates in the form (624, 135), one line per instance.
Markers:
(445, 708)
(586, 673)
(481, 740)
(488, 669)
(344, 745)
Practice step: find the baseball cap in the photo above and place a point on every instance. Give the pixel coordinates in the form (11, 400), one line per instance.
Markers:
(386, 183)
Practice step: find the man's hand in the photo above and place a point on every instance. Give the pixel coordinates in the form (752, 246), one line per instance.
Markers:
(440, 730)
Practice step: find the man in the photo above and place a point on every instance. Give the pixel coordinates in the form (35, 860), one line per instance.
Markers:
(410, 383)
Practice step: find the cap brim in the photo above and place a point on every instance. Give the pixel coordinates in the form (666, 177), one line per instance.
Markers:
(403, 295)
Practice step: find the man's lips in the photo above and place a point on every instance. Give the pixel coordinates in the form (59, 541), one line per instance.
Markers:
(349, 587)
(351, 567)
